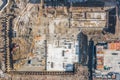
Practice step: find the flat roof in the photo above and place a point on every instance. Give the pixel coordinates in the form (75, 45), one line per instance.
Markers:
(108, 58)
(61, 59)
(112, 60)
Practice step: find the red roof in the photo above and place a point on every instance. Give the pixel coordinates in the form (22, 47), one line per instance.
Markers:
(114, 46)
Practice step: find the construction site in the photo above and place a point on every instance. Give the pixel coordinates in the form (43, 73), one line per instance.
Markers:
(50, 38)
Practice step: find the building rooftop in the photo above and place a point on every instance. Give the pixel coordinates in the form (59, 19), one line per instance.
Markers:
(112, 61)
(108, 57)
(62, 58)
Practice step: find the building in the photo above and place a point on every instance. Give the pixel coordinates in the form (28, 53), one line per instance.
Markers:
(63, 56)
(107, 58)
(89, 19)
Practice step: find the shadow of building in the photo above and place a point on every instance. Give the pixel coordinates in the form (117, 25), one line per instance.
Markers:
(83, 48)
(35, 1)
(111, 21)
(91, 62)
(10, 23)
